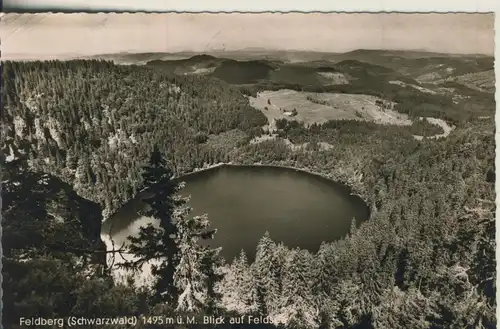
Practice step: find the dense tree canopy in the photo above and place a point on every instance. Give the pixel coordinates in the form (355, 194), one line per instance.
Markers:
(94, 124)
(94, 130)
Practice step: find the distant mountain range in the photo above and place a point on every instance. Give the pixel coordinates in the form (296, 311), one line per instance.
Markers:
(287, 55)
(290, 68)
(258, 65)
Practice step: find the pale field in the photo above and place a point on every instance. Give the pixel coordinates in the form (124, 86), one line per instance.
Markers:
(419, 88)
(482, 81)
(335, 77)
(333, 107)
(202, 70)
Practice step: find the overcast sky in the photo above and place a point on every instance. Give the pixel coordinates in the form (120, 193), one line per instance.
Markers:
(57, 35)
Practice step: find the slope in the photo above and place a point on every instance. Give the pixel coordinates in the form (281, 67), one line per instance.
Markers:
(93, 123)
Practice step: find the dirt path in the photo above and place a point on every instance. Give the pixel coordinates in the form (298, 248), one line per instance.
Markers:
(438, 122)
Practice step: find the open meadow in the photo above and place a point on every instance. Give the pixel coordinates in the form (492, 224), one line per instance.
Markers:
(322, 107)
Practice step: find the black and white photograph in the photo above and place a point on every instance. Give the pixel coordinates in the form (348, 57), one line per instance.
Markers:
(248, 170)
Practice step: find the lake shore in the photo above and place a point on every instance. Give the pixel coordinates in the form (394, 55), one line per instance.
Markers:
(144, 278)
(355, 188)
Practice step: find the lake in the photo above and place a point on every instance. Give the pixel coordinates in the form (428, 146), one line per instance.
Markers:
(243, 202)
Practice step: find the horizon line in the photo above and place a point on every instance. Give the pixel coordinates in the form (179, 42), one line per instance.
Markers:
(249, 49)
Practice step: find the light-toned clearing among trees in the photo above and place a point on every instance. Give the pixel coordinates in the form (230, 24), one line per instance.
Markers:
(336, 78)
(481, 81)
(419, 88)
(322, 107)
(202, 70)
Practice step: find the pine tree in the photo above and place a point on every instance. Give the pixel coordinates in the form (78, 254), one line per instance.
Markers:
(326, 270)
(353, 227)
(400, 309)
(297, 304)
(186, 268)
(192, 276)
(267, 274)
(211, 265)
(158, 243)
(239, 287)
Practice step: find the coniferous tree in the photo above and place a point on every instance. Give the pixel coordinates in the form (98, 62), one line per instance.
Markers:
(400, 310)
(297, 303)
(266, 271)
(239, 287)
(182, 275)
(192, 278)
(352, 229)
(158, 244)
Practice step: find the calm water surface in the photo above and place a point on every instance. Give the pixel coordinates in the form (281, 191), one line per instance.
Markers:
(243, 202)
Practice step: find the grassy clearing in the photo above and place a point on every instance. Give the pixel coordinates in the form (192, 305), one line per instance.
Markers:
(419, 88)
(335, 77)
(481, 81)
(322, 107)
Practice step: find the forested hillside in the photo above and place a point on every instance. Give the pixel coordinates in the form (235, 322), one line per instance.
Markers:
(421, 261)
(420, 87)
(424, 259)
(93, 123)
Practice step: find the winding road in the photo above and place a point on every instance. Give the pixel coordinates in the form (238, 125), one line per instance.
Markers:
(438, 122)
